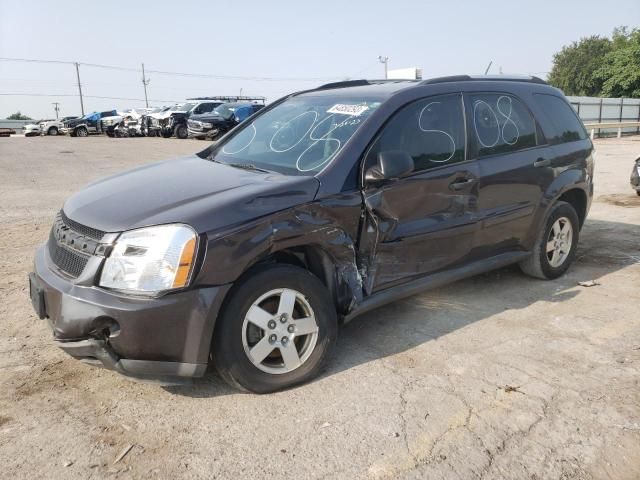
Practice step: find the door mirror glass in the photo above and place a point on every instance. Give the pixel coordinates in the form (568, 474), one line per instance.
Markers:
(391, 164)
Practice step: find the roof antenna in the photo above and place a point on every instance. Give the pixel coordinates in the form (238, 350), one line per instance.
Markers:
(488, 67)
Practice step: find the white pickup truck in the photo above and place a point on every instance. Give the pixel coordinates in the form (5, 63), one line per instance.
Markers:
(53, 127)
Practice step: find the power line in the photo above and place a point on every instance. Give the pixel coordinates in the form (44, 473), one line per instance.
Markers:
(85, 96)
(177, 74)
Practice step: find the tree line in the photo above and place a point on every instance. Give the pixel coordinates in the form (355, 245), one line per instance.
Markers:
(598, 66)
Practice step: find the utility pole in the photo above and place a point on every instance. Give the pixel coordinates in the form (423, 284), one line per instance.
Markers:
(56, 108)
(384, 60)
(145, 82)
(79, 87)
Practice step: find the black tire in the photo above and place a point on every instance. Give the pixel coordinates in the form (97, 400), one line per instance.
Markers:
(166, 134)
(72, 134)
(182, 132)
(53, 131)
(110, 133)
(228, 351)
(538, 265)
(82, 132)
(638, 192)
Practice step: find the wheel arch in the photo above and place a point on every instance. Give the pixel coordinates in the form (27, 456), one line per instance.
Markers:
(577, 198)
(328, 253)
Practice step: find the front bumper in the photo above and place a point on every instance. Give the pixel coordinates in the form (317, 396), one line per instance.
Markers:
(202, 133)
(169, 336)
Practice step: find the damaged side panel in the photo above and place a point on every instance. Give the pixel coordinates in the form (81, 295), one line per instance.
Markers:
(327, 228)
(419, 225)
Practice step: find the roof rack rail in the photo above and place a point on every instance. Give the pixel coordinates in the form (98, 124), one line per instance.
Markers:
(498, 78)
(360, 83)
(235, 98)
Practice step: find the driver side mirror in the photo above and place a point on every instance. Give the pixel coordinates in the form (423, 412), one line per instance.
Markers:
(391, 164)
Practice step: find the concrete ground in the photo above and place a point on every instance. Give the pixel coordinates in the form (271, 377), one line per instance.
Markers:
(498, 376)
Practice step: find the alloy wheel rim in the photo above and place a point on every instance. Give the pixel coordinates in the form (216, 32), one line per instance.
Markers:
(559, 242)
(279, 331)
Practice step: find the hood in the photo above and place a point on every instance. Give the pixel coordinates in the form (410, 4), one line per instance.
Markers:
(75, 121)
(208, 196)
(167, 114)
(113, 117)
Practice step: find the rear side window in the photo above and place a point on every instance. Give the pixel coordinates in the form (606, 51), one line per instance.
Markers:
(500, 124)
(431, 130)
(562, 120)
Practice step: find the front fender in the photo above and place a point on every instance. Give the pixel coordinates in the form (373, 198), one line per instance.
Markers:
(311, 226)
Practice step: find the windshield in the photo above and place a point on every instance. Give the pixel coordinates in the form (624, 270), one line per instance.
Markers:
(224, 110)
(183, 108)
(298, 137)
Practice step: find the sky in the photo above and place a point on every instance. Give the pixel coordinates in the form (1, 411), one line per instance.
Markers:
(275, 46)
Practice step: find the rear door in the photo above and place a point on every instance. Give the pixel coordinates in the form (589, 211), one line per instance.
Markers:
(513, 161)
(424, 222)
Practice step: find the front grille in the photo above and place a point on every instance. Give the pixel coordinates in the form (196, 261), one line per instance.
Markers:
(71, 244)
(81, 229)
(67, 260)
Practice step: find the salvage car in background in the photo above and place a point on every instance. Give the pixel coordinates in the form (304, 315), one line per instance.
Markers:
(222, 119)
(149, 122)
(635, 176)
(89, 124)
(32, 129)
(54, 127)
(118, 125)
(174, 120)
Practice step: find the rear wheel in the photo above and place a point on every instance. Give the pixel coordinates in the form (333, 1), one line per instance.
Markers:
(556, 245)
(277, 330)
(53, 131)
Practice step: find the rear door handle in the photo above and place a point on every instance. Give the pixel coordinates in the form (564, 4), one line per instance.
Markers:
(461, 183)
(542, 162)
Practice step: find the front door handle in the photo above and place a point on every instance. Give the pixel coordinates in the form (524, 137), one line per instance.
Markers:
(542, 162)
(461, 183)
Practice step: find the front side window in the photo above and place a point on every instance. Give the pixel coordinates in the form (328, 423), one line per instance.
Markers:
(300, 136)
(500, 124)
(431, 130)
(561, 119)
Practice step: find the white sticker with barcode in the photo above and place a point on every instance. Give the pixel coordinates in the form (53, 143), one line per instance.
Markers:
(345, 109)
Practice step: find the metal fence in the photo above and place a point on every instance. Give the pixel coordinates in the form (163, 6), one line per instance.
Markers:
(602, 110)
(15, 124)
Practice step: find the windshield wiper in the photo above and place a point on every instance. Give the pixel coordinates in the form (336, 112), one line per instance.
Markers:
(247, 166)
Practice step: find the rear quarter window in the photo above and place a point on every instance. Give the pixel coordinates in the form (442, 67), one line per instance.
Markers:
(562, 124)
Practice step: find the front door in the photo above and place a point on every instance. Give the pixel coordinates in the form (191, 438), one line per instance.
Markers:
(424, 222)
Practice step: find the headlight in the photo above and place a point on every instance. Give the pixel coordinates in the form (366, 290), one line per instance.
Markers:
(207, 125)
(151, 260)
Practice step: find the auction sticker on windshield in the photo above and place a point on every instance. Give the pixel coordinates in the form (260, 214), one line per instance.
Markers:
(345, 109)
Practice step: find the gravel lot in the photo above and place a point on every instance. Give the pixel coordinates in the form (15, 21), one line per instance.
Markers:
(498, 376)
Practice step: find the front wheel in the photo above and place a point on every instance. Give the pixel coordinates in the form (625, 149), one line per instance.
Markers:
(82, 132)
(182, 132)
(556, 245)
(53, 131)
(277, 330)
